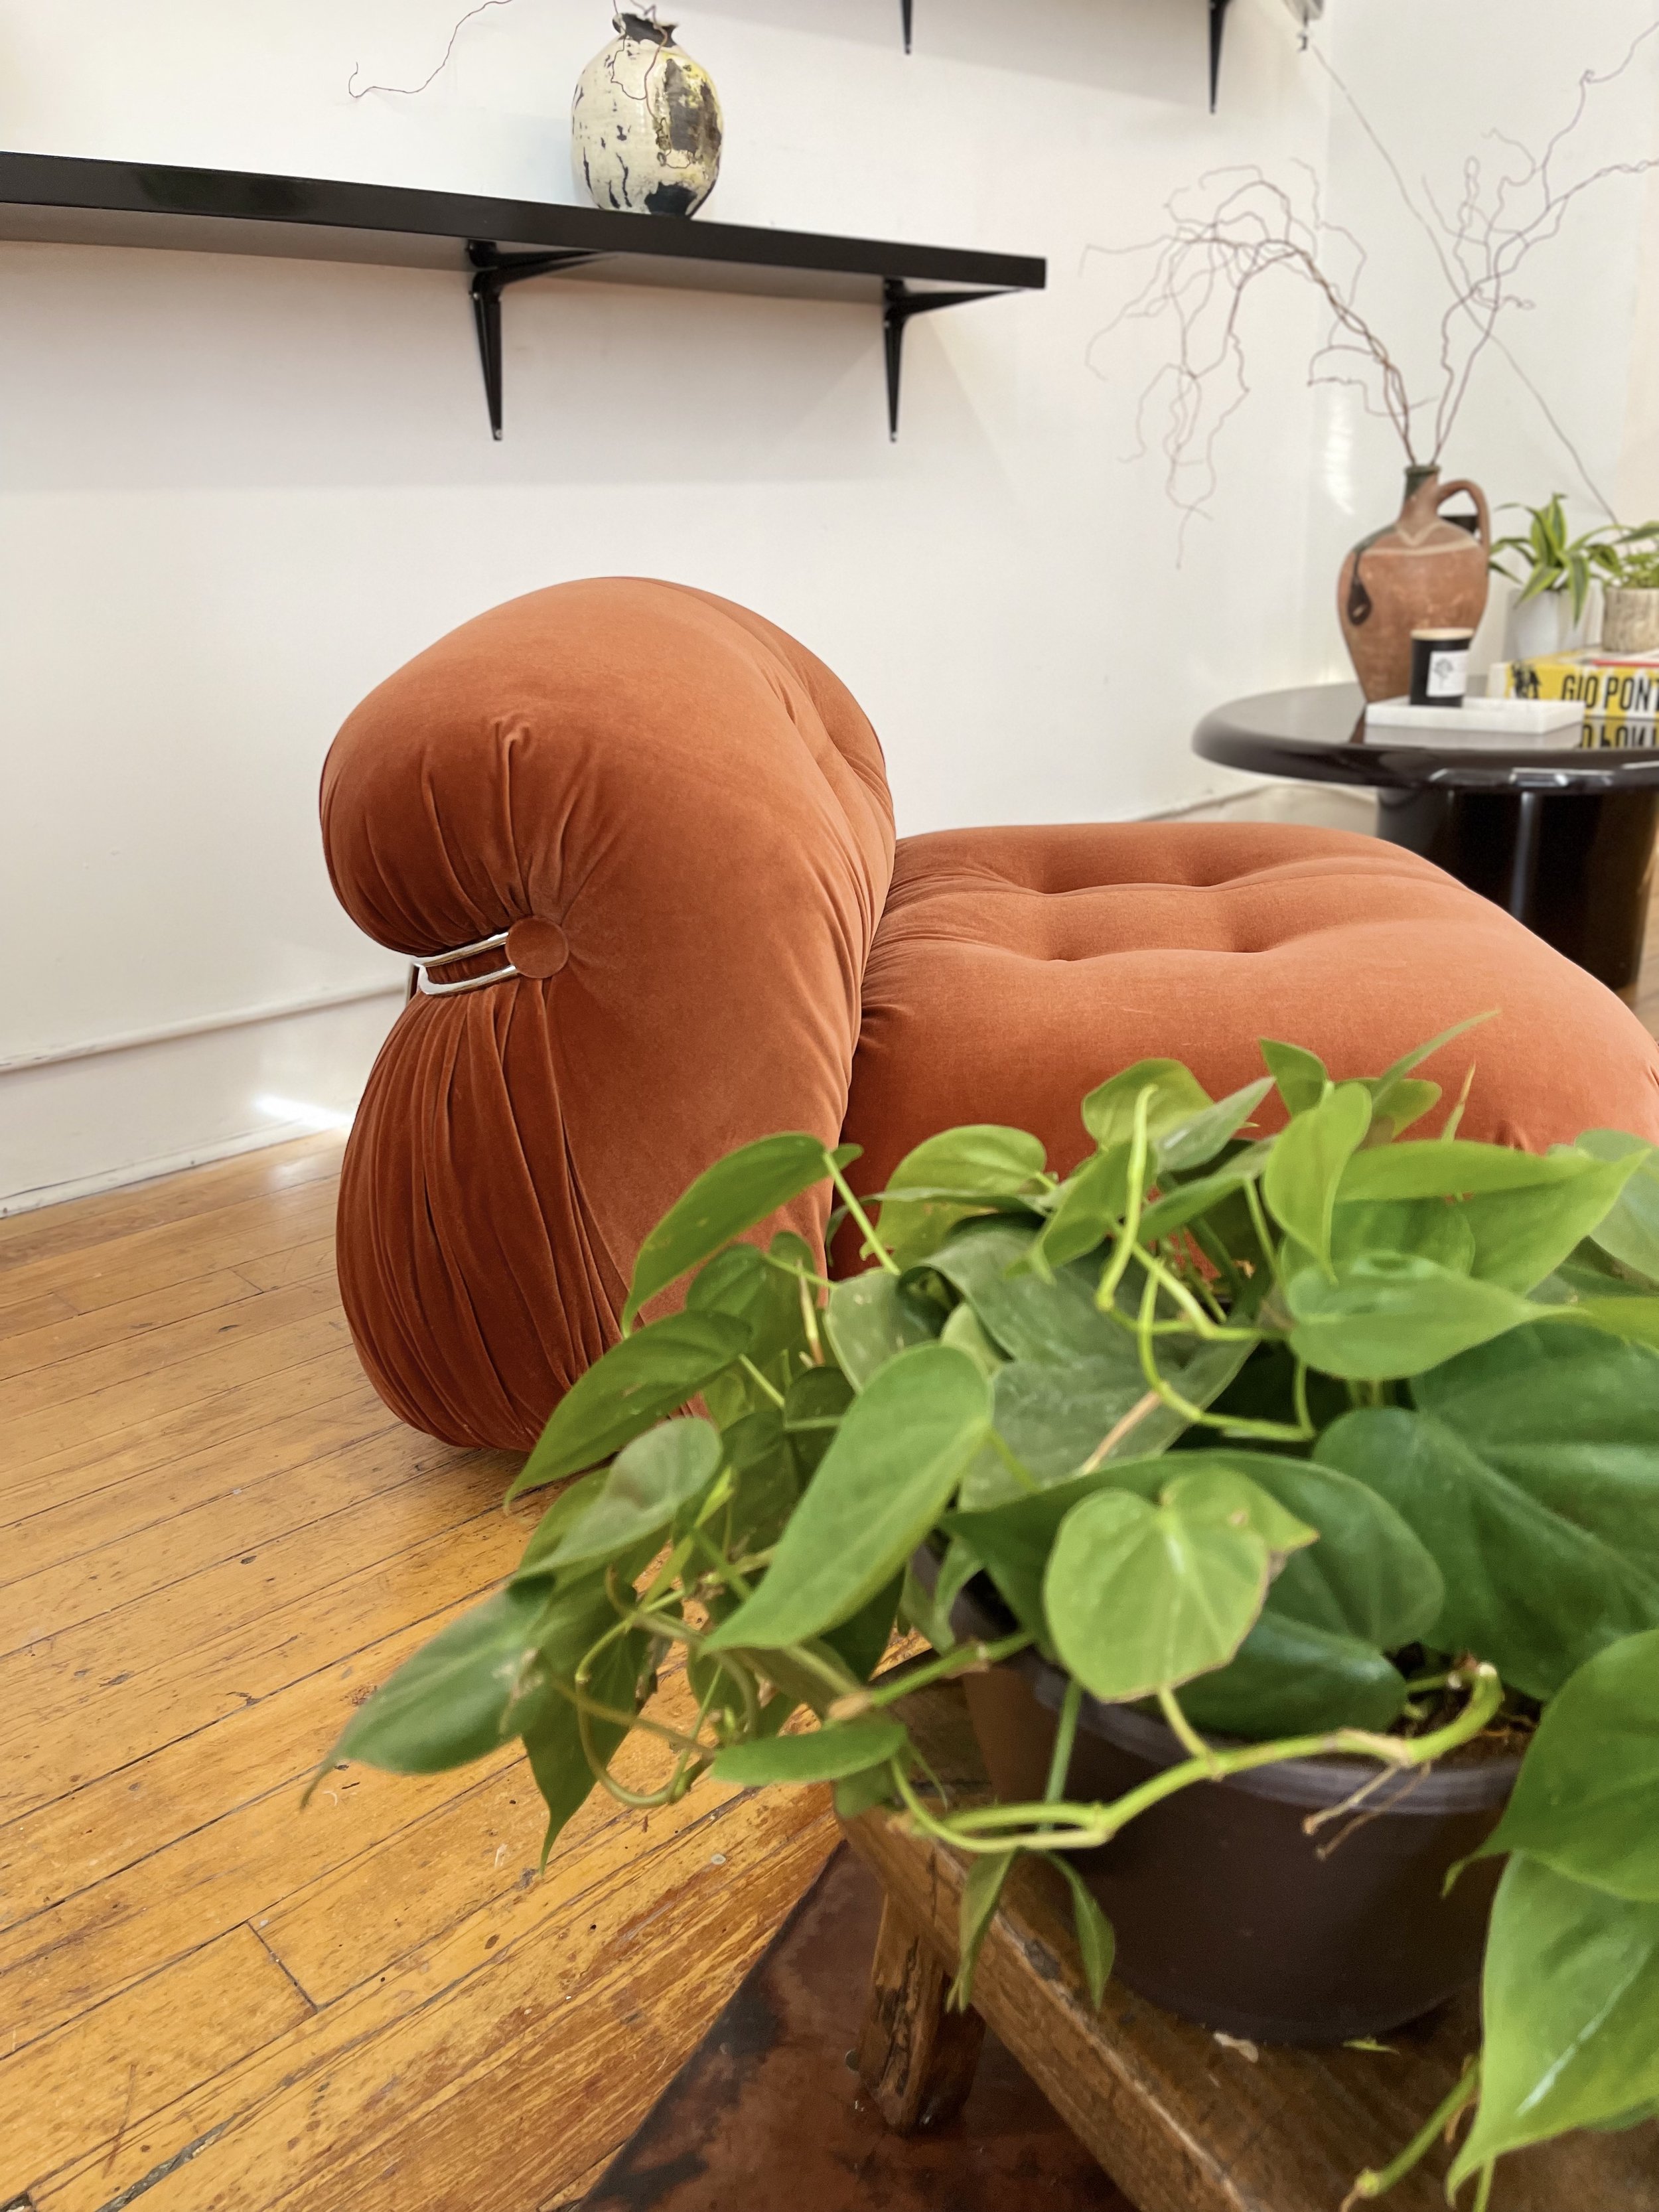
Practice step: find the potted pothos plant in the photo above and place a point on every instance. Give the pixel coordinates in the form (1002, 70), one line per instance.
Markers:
(1630, 601)
(1329, 1452)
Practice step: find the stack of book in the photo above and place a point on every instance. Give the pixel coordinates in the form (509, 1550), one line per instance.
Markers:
(1618, 692)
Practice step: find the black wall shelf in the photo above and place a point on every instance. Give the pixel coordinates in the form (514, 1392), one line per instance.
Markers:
(54, 199)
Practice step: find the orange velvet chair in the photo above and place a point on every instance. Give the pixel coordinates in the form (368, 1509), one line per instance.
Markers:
(654, 835)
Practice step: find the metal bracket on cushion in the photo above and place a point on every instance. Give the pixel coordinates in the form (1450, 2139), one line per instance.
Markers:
(430, 990)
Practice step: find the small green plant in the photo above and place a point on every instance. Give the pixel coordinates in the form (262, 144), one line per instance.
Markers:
(1637, 570)
(1557, 562)
(1283, 1435)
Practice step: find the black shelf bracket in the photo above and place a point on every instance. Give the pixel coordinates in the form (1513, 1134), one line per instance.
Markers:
(899, 303)
(493, 273)
(1218, 26)
(1218, 29)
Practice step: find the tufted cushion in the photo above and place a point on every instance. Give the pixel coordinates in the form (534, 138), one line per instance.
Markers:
(1014, 969)
(683, 818)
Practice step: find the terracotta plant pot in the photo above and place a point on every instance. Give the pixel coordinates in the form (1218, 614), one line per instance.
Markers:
(1225, 1909)
(1630, 619)
(1421, 572)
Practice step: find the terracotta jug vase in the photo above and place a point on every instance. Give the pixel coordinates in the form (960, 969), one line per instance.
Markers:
(1420, 573)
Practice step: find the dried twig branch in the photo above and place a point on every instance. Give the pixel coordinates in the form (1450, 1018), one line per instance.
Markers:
(407, 91)
(1244, 226)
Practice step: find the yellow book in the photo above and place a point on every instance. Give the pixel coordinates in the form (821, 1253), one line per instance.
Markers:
(1621, 697)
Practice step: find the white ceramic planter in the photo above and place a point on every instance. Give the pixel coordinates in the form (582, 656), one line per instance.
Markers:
(1537, 627)
(645, 123)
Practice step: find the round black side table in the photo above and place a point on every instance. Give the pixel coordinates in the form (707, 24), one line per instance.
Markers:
(1563, 840)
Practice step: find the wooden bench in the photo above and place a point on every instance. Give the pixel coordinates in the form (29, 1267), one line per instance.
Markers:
(1182, 2120)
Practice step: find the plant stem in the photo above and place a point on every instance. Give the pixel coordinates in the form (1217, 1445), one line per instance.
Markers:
(1372, 2185)
(1299, 1397)
(1183, 1730)
(753, 1563)
(944, 1834)
(1483, 2189)
(1118, 1266)
(1217, 1255)
(1212, 1332)
(795, 1272)
(808, 1320)
(667, 1575)
(1455, 1116)
(1234, 1424)
(1258, 1223)
(590, 1708)
(755, 1376)
(828, 1668)
(720, 1565)
(965, 1659)
(1093, 1825)
(872, 1242)
(1022, 1474)
(1114, 1434)
(1065, 1737)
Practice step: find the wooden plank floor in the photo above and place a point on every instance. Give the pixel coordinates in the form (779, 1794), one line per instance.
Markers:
(214, 1542)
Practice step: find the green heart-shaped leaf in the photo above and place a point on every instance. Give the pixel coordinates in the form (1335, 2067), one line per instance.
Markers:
(1629, 1230)
(1300, 1179)
(1301, 1076)
(978, 1162)
(1052, 1320)
(449, 1704)
(1369, 1577)
(1290, 1679)
(661, 1471)
(981, 1887)
(1569, 2000)
(894, 1464)
(1055, 1419)
(1192, 1144)
(1141, 1597)
(1392, 1314)
(630, 1389)
(1531, 1473)
(1091, 1201)
(869, 1321)
(734, 1194)
(823, 1755)
(1436, 1169)
(1096, 1944)
(553, 1740)
(1108, 1111)
(1587, 1802)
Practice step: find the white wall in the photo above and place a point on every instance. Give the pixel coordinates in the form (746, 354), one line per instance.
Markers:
(1438, 81)
(234, 494)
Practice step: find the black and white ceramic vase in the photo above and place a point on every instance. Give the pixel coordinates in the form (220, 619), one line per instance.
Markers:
(645, 121)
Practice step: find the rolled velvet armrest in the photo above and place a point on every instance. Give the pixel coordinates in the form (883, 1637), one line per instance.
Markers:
(687, 816)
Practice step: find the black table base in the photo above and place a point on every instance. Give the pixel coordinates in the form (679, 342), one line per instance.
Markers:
(1577, 870)
(1563, 841)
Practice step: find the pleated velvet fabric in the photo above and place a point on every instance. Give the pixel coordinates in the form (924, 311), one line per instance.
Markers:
(682, 819)
(1017, 968)
(687, 816)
